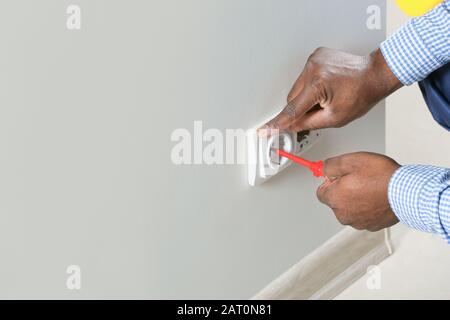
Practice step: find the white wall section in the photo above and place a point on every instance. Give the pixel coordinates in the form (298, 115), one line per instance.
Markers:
(86, 116)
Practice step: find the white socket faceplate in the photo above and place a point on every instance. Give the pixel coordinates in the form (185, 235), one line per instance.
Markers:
(262, 161)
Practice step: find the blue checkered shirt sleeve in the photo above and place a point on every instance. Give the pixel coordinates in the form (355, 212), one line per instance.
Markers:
(420, 197)
(421, 46)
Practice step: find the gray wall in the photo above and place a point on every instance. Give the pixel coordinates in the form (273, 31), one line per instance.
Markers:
(85, 124)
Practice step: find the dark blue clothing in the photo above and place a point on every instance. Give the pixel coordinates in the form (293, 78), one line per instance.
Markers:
(436, 91)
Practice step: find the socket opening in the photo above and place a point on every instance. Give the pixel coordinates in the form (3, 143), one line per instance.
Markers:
(302, 135)
(282, 141)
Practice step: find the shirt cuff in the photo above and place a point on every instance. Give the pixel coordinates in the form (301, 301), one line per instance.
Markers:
(414, 194)
(419, 47)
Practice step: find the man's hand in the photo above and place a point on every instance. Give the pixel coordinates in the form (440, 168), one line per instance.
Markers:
(356, 190)
(334, 89)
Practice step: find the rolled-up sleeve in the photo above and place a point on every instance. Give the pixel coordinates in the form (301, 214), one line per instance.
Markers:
(420, 197)
(421, 46)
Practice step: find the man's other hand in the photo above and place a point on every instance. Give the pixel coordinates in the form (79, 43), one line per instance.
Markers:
(334, 89)
(356, 190)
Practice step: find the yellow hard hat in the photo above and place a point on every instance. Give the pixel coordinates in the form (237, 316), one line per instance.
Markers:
(417, 7)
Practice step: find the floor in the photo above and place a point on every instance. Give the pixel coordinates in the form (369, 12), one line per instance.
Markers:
(418, 269)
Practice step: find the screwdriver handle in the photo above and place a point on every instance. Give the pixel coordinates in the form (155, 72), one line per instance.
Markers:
(315, 167)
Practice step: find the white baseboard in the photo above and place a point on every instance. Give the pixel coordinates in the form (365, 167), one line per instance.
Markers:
(331, 268)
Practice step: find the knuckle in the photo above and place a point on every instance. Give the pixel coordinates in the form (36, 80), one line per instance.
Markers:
(311, 57)
(328, 163)
(324, 196)
(320, 194)
(342, 218)
(319, 50)
(312, 60)
(333, 163)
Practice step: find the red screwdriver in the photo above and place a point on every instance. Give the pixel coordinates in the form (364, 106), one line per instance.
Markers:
(315, 167)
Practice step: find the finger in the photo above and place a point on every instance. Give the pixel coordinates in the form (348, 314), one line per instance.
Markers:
(326, 193)
(317, 119)
(282, 121)
(307, 100)
(293, 111)
(331, 194)
(297, 87)
(339, 166)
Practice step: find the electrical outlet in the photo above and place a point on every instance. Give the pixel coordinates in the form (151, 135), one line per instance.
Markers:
(263, 162)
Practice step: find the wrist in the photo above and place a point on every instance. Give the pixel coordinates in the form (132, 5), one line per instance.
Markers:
(385, 81)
